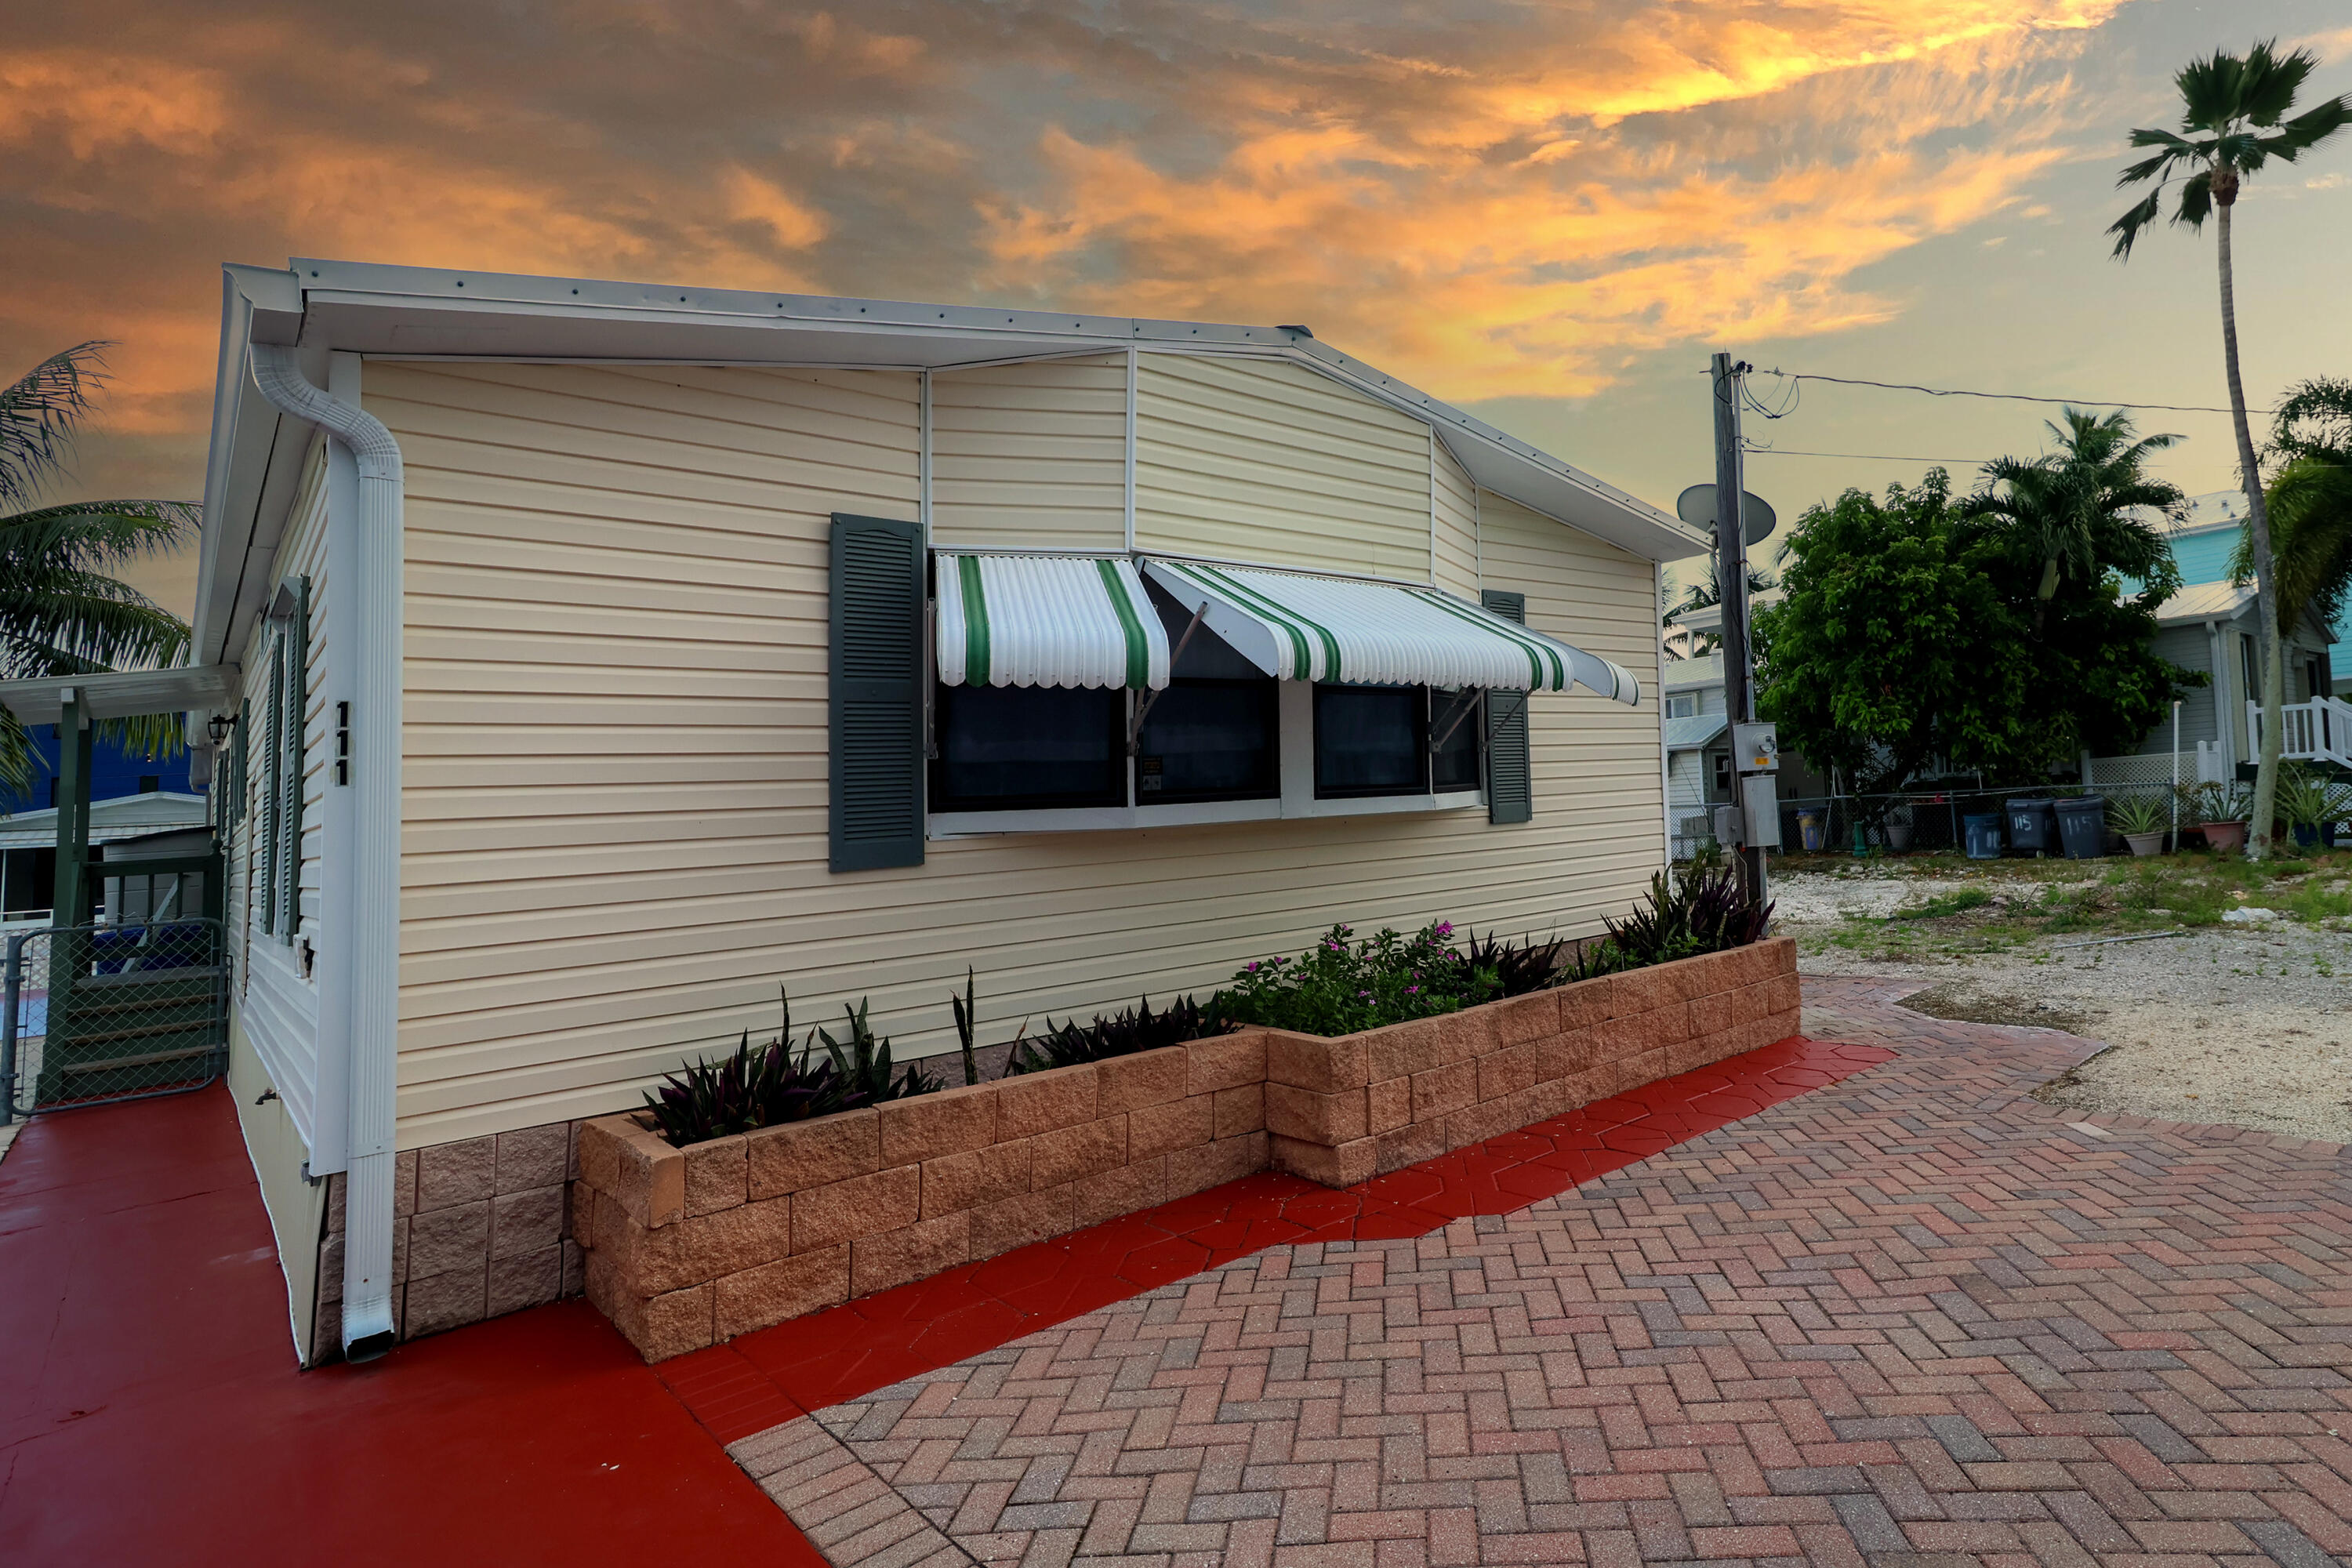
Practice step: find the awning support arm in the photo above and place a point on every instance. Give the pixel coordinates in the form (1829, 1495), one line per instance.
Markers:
(1135, 730)
(1463, 702)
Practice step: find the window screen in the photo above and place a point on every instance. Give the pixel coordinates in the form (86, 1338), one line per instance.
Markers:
(1004, 748)
(1454, 759)
(1214, 733)
(1370, 740)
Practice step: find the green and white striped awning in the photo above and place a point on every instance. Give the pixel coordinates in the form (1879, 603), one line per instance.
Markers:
(1296, 626)
(1046, 620)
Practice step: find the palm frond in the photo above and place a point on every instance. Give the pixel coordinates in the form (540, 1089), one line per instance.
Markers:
(2196, 201)
(15, 755)
(97, 535)
(37, 416)
(2137, 218)
(2314, 420)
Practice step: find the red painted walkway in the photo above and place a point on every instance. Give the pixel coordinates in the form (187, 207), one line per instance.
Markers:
(759, 1379)
(150, 1411)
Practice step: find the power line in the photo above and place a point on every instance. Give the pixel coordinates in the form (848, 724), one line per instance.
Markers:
(1866, 456)
(2009, 397)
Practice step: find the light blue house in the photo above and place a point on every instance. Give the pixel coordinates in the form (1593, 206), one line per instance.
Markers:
(2210, 625)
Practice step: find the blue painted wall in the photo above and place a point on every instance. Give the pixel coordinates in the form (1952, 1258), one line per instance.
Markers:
(2205, 558)
(111, 773)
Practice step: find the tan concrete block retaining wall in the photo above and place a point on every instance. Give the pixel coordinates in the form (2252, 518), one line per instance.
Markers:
(687, 1247)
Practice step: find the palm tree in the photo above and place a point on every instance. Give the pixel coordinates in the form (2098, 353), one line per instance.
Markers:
(1705, 594)
(2077, 509)
(62, 612)
(2234, 111)
(2310, 504)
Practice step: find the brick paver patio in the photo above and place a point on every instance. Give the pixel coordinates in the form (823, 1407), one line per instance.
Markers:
(1910, 1320)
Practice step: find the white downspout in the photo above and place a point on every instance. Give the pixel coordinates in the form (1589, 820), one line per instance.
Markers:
(374, 939)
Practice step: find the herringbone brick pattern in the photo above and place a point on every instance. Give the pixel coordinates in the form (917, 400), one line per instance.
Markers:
(1910, 1320)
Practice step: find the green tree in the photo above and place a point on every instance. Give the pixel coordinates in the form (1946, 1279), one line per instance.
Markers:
(2310, 502)
(1905, 633)
(1888, 646)
(62, 612)
(2234, 113)
(2075, 513)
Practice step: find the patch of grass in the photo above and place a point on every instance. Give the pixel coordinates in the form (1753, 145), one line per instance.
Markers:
(1944, 905)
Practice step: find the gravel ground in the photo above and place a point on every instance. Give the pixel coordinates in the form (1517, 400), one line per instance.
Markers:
(2245, 1026)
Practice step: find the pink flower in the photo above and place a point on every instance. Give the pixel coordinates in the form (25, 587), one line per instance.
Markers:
(1412, 990)
(1445, 928)
(1252, 970)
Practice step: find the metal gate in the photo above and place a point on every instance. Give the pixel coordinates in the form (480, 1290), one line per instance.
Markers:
(108, 1012)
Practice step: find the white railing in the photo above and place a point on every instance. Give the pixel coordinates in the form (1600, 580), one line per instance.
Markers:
(2317, 731)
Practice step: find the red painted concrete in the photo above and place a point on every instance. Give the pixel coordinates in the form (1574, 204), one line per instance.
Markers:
(150, 1409)
(760, 1379)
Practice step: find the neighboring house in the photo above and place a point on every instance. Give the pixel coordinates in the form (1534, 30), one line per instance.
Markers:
(629, 653)
(118, 778)
(2209, 626)
(1698, 749)
(28, 838)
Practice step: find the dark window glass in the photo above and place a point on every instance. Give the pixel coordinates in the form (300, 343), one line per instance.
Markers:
(1370, 740)
(1004, 748)
(1214, 733)
(1209, 740)
(151, 784)
(1454, 763)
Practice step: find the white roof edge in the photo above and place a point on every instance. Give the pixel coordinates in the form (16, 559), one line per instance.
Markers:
(1644, 528)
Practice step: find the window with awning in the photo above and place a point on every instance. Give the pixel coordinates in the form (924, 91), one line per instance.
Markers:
(1077, 691)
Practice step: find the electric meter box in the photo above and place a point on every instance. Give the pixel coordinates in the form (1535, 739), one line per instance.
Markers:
(1759, 798)
(1755, 748)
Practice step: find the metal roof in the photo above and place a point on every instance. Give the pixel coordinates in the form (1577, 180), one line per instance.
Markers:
(117, 816)
(419, 312)
(1690, 733)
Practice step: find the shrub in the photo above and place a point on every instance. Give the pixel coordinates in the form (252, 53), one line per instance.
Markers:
(1697, 909)
(766, 1085)
(1137, 1029)
(1340, 985)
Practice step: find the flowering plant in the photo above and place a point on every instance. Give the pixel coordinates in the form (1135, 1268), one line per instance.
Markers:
(1344, 983)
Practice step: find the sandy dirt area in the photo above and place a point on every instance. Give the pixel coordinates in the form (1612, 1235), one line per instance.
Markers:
(2246, 1025)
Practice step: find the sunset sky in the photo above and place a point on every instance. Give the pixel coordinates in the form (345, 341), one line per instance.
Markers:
(1549, 213)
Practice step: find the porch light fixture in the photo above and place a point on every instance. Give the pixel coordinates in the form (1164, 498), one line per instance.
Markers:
(218, 726)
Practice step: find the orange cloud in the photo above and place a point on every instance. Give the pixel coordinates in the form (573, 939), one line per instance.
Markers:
(1499, 196)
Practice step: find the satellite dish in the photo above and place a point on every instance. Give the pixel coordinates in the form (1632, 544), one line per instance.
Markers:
(1696, 506)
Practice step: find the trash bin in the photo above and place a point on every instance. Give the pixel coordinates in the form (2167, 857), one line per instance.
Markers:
(1810, 830)
(1982, 835)
(2033, 824)
(2083, 827)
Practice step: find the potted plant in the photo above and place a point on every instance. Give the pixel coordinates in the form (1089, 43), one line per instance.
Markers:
(2307, 804)
(2220, 815)
(2142, 819)
(1899, 829)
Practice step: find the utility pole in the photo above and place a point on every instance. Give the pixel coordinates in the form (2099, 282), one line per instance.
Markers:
(1731, 588)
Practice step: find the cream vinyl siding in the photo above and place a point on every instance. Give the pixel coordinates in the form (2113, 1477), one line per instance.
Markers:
(1456, 531)
(1031, 456)
(277, 1002)
(1263, 461)
(615, 806)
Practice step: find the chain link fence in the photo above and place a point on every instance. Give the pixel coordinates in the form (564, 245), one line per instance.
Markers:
(96, 1013)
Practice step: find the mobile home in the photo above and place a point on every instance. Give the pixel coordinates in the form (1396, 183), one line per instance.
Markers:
(612, 659)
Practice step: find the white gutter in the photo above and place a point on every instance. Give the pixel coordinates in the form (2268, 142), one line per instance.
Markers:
(371, 941)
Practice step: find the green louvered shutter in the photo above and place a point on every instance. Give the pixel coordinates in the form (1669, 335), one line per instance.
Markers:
(877, 817)
(298, 710)
(273, 758)
(1510, 788)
